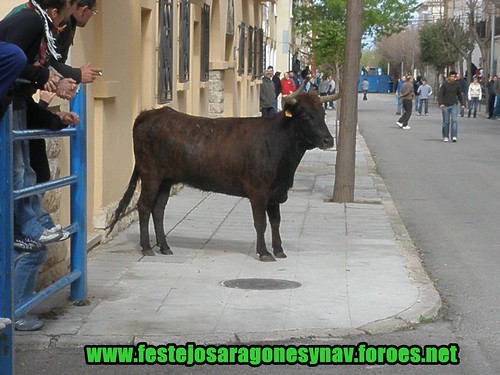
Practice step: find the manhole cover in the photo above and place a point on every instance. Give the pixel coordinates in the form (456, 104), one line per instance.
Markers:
(261, 284)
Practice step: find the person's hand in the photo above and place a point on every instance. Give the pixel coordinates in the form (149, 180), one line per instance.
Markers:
(52, 82)
(441, 106)
(69, 118)
(89, 74)
(66, 88)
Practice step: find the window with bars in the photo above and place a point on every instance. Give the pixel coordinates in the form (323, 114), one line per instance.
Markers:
(205, 42)
(251, 64)
(184, 39)
(165, 54)
(241, 56)
(260, 48)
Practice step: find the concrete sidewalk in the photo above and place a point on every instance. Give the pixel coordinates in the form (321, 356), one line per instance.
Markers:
(350, 269)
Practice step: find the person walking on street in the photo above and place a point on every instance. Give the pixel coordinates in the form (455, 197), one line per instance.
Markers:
(364, 87)
(424, 92)
(475, 94)
(406, 96)
(491, 96)
(463, 89)
(450, 93)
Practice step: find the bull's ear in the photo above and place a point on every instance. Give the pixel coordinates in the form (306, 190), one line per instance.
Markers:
(288, 113)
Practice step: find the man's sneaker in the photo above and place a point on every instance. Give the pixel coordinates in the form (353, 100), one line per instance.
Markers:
(407, 127)
(49, 237)
(28, 323)
(22, 243)
(399, 124)
(445, 139)
(65, 236)
(454, 139)
(55, 229)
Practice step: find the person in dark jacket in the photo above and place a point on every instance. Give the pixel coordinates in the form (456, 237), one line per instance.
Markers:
(491, 96)
(267, 95)
(450, 93)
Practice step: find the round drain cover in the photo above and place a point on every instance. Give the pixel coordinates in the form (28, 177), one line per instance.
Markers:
(261, 284)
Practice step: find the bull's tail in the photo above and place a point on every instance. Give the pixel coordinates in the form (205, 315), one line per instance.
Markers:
(120, 211)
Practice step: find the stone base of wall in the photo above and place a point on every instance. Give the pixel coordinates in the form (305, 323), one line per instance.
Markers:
(216, 88)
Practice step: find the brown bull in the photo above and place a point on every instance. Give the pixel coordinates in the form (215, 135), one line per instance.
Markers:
(253, 157)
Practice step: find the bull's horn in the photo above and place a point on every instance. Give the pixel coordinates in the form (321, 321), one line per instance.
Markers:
(291, 99)
(329, 98)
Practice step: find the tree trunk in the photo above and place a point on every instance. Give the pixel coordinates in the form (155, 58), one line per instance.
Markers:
(343, 190)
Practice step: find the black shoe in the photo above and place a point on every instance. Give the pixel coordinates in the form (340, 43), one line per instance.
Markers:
(22, 243)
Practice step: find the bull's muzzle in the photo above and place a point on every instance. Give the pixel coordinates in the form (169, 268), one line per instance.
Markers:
(327, 142)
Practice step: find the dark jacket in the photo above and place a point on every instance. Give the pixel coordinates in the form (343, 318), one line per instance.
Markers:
(64, 42)
(26, 29)
(450, 93)
(267, 93)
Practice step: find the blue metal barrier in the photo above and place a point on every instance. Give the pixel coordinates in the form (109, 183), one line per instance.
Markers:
(77, 277)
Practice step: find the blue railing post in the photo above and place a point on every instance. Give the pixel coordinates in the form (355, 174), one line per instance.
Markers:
(79, 197)
(6, 240)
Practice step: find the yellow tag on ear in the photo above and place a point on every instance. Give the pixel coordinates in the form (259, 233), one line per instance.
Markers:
(288, 113)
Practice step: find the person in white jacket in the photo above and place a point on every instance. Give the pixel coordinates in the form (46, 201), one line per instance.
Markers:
(475, 95)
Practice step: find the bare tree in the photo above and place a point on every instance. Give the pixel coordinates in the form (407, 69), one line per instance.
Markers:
(401, 51)
(346, 153)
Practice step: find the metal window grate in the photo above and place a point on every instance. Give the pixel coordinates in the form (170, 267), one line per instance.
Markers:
(241, 50)
(205, 42)
(165, 64)
(184, 42)
(251, 64)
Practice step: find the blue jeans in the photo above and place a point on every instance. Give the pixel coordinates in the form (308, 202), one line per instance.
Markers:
(496, 111)
(30, 218)
(450, 114)
(424, 104)
(25, 274)
(473, 104)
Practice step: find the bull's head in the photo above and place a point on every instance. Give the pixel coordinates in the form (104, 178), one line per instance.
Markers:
(306, 113)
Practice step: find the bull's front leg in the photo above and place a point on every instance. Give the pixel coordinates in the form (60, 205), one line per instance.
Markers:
(259, 221)
(273, 212)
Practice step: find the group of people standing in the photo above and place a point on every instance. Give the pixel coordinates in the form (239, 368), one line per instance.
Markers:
(452, 95)
(35, 38)
(273, 86)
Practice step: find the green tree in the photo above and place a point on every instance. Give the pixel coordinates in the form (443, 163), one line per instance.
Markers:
(435, 48)
(333, 29)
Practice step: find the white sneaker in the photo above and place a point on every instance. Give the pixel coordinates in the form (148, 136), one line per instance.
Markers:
(407, 127)
(454, 139)
(48, 237)
(55, 229)
(445, 139)
(399, 124)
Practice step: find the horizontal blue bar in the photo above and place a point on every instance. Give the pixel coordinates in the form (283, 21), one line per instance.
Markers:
(42, 133)
(47, 292)
(40, 188)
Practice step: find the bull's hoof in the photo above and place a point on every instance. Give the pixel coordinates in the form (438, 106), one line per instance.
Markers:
(148, 252)
(166, 251)
(280, 254)
(267, 258)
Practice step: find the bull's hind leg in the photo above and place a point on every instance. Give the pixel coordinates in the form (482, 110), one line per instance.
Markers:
(273, 212)
(149, 191)
(158, 216)
(259, 221)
